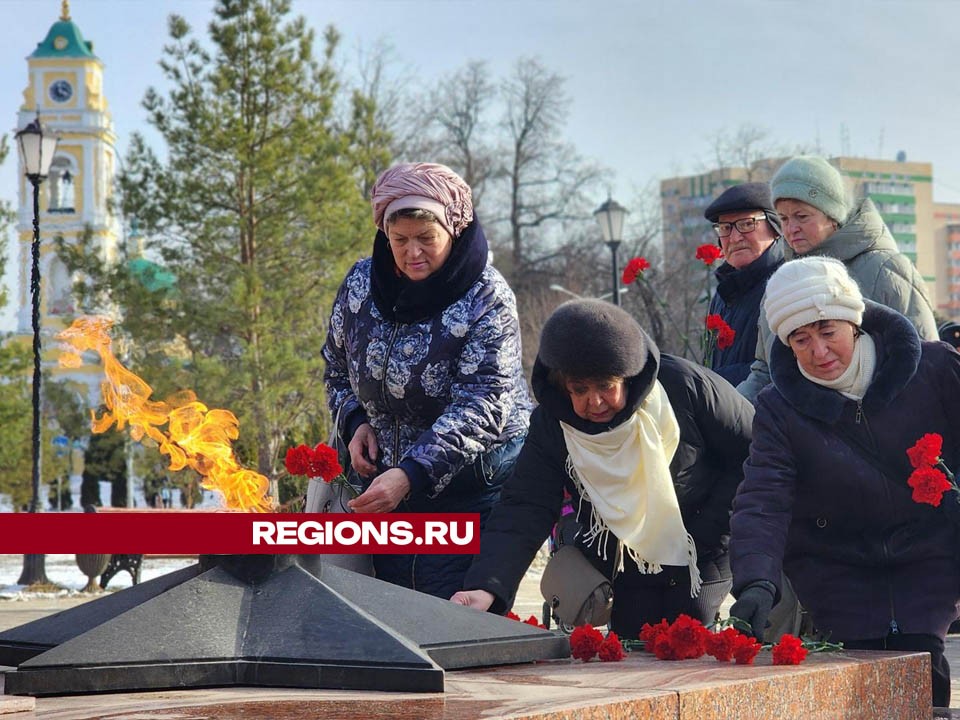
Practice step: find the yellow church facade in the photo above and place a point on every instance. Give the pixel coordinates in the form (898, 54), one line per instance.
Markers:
(65, 89)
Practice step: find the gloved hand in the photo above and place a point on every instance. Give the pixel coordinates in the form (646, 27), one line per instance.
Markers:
(753, 606)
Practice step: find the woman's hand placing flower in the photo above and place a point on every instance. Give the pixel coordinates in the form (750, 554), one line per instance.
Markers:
(384, 494)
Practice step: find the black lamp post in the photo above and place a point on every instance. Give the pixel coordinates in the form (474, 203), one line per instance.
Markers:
(36, 146)
(610, 217)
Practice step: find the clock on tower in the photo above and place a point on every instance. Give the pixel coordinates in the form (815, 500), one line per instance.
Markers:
(61, 91)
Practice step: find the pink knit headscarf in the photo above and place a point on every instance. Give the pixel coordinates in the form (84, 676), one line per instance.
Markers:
(426, 186)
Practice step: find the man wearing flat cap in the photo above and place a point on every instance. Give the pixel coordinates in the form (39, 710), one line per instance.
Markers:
(748, 231)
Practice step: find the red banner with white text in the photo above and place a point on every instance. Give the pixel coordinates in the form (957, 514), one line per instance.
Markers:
(147, 532)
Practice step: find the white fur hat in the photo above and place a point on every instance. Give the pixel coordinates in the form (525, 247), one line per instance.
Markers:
(809, 289)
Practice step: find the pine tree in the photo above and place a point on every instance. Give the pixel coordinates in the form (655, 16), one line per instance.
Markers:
(15, 412)
(257, 211)
(15, 423)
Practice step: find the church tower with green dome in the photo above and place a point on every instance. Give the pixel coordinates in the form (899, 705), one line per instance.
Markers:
(65, 87)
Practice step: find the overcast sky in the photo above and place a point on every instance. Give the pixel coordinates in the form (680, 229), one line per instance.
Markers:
(651, 82)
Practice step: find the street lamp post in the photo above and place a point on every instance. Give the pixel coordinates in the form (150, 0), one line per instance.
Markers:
(36, 146)
(610, 217)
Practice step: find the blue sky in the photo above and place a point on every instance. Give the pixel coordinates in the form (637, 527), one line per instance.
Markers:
(651, 81)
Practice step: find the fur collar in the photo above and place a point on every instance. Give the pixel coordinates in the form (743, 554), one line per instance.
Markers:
(898, 356)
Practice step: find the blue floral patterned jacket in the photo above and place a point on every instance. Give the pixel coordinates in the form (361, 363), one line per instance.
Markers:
(440, 392)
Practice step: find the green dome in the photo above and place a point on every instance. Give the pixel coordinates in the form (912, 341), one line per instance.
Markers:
(72, 44)
(152, 276)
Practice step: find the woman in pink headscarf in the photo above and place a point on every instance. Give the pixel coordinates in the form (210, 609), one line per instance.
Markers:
(423, 365)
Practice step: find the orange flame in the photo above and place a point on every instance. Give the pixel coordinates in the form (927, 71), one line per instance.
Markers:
(196, 437)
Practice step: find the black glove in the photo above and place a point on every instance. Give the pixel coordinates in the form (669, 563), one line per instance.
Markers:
(753, 606)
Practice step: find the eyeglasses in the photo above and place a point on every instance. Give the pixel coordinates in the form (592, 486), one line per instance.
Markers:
(743, 226)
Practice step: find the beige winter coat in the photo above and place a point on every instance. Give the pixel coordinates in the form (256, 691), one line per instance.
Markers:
(885, 275)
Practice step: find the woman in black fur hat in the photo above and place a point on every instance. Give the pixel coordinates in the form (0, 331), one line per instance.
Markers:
(650, 448)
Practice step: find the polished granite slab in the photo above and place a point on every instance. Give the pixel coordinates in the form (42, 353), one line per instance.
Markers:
(855, 684)
(10, 705)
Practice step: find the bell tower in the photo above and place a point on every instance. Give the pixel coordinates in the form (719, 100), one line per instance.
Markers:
(65, 88)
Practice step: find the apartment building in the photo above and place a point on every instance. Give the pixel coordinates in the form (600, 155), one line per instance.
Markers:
(926, 232)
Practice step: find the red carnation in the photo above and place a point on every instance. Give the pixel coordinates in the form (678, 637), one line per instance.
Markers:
(649, 633)
(634, 268)
(926, 451)
(725, 337)
(745, 649)
(720, 645)
(715, 322)
(687, 637)
(725, 333)
(512, 616)
(585, 642)
(662, 648)
(297, 461)
(789, 651)
(325, 463)
(709, 254)
(929, 485)
(611, 650)
(532, 620)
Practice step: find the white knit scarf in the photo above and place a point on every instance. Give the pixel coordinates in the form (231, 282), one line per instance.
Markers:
(855, 380)
(625, 474)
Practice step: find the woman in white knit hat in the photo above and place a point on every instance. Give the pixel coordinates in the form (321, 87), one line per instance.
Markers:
(825, 497)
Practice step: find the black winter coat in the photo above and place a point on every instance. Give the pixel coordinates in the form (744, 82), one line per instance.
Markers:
(863, 557)
(738, 299)
(714, 425)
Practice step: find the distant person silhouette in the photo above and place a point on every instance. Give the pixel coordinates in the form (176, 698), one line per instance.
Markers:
(950, 333)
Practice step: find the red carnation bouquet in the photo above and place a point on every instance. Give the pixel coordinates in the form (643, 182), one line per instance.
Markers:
(586, 642)
(635, 272)
(717, 334)
(318, 462)
(688, 639)
(931, 478)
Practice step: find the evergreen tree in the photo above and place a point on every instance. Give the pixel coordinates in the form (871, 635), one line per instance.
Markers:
(257, 211)
(15, 364)
(65, 419)
(104, 461)
(15, 423)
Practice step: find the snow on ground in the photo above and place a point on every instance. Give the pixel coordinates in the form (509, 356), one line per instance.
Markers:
(62, 570)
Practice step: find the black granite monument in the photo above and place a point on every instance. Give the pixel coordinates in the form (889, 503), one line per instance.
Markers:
(262, 620)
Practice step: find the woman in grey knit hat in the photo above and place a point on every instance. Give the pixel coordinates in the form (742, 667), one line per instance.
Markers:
(818, 218)
(650, 447)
